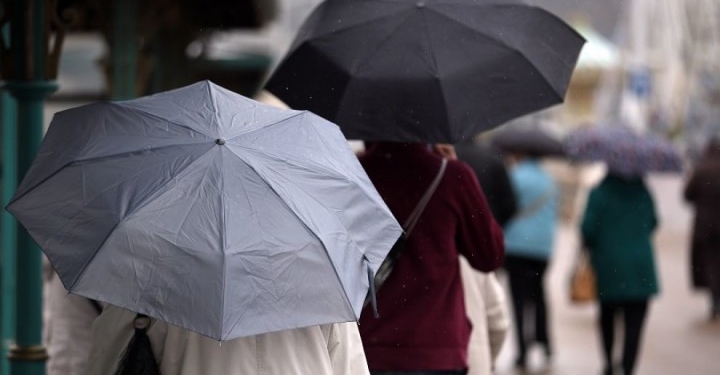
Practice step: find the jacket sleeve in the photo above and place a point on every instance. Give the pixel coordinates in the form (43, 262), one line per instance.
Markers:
(345, 348)
(479, 238)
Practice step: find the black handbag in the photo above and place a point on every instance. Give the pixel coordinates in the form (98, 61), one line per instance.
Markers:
(138, 358)
(393, 256)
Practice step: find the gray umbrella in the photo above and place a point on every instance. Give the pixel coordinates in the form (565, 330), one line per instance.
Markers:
(207, 210)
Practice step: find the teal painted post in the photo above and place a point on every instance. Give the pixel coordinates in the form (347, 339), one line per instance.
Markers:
(29, 84)
(124, 49)
(27, 355)
(8, 153)
(8, 227)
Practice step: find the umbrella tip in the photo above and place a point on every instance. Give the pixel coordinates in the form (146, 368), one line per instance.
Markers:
(219, 141)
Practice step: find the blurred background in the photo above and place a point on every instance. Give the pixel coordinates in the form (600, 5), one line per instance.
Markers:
(654, 65)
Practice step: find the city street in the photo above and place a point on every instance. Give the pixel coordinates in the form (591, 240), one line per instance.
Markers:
(678, 339)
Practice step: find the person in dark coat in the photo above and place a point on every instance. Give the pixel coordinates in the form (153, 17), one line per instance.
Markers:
(494, 179)
(616, 228)
(423, 326)
(703, 192)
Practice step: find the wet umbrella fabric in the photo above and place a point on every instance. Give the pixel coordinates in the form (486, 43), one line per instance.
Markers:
(207, 210)
(530, 140)
(426, 71)
(625, 152)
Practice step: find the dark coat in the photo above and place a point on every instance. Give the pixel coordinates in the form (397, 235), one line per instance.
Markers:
(617, 227)
(703, 192)
(423, 324)
(493, 176)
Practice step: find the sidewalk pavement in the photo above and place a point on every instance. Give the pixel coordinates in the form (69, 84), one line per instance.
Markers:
(679, 339)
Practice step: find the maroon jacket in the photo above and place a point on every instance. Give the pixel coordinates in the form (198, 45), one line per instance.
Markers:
(423, 325)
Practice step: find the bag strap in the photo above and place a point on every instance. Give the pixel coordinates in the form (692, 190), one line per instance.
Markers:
(391, 259)
(420, 207)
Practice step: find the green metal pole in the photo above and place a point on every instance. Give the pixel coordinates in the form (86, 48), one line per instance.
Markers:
(124, 50)
(30, 86)
(7, 228)
(27, 355)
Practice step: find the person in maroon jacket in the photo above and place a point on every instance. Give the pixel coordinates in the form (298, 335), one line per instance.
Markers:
(423, 327)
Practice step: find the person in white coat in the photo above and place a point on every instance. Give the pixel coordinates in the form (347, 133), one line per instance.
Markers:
(66, 322)
(331, 349)
(488, 312)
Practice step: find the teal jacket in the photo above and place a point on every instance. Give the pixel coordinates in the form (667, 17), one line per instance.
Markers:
(531, 233)
(617, 227)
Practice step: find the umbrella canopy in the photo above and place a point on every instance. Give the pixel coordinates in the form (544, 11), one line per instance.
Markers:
(624, 151)
(532, 141)
(435, 71)
(207, 210)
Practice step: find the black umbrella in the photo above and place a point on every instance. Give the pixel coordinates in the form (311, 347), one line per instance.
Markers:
(532, 141)
(426, 71)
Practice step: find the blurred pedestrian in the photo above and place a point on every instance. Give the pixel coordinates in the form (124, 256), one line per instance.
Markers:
(493, 176)
(529, 241)
(703, 192)
(329, 349)
(423, 326)
(616, 228)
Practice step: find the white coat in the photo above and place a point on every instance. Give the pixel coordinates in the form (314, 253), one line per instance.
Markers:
(67, 319)
(488, 312)
(331, 349)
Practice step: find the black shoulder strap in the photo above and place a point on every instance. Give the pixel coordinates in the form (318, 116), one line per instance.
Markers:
(420, 207)
(391, 259)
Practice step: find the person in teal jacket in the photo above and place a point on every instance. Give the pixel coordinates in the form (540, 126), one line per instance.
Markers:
(529, 241)
(617, 226)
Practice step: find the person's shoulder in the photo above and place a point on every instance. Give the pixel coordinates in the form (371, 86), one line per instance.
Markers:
(460, 169)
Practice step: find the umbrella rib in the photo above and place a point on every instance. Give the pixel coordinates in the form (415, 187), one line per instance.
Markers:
(211, 95)
(327, 253)
(142, 111)
(160, 190)
(483, 33)
(376, 51)
(511, 48)
(128, 153)
(91, 160)
(357, 25)
(325, 171)
(430, 55)
(321, 170)
(224, 246)
(442, 87)
(297, 113)
(278, 122)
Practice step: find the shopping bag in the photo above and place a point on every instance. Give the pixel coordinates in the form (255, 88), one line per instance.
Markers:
(582, 280)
